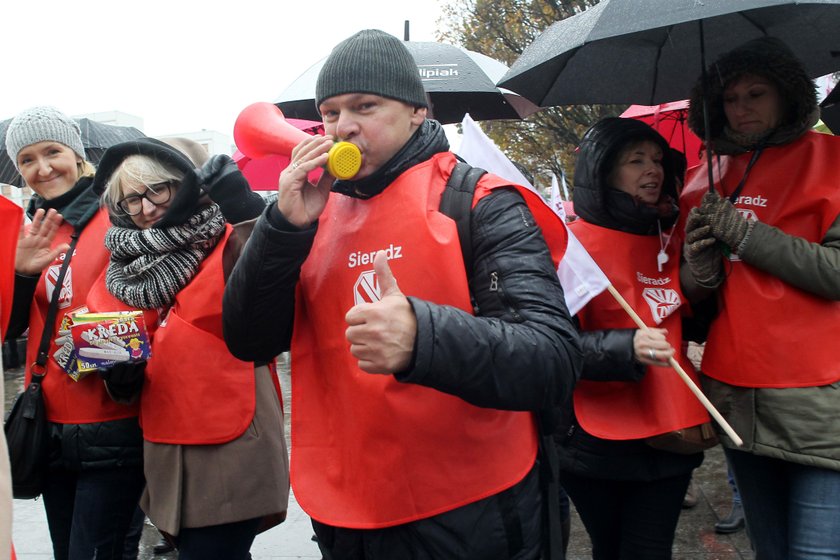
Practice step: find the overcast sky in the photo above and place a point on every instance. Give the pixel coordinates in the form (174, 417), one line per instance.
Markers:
(181, 65)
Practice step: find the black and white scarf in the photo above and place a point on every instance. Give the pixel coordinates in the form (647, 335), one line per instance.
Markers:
(150, 266)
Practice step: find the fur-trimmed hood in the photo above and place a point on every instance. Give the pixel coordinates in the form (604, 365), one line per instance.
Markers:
(597, 202)
(769, 58)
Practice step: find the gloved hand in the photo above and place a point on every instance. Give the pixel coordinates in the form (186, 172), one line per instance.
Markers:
(701, 251)
(724, 220)
(221, 179)
(124, 380)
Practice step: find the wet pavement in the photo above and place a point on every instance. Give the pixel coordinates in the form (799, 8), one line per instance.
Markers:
(696, 538)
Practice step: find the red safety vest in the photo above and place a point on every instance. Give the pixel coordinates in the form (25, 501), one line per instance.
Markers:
(10, 218)
(769, 333)
(67, 401)
(195, 391)
(660, 402)
(369, 451)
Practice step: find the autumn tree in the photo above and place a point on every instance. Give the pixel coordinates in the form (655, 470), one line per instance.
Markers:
(544, 142)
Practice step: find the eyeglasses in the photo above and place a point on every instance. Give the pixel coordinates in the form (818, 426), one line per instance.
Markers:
(156, 194)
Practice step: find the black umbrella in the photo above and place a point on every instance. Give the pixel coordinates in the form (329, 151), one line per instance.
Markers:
(96, 138)
(457, 80)
(651, 51)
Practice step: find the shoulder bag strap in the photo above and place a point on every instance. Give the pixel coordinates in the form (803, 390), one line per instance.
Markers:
(39, 369)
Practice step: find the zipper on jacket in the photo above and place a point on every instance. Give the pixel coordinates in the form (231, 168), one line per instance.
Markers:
(496, 287)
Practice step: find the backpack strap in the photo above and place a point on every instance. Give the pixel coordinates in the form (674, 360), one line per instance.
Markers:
(456, 202)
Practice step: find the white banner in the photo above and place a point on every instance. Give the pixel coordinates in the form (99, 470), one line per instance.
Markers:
(580, 275)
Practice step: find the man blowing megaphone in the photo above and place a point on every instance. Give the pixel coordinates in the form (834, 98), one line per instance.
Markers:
(413, 410)
(261, 130)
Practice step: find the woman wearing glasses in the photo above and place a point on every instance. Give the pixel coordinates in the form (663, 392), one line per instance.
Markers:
(215, 455)
(94, 477)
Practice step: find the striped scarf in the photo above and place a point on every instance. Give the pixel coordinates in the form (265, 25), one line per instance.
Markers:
(150, 266)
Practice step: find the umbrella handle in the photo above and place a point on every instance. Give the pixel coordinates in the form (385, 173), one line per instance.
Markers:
(707, 133)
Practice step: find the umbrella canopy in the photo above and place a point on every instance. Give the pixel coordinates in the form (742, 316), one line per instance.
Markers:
(263, 174)
(670, 120)
(458, 81)
(650, 51)
(96, 138)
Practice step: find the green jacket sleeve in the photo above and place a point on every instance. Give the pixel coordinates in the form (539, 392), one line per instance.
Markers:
(812, 267)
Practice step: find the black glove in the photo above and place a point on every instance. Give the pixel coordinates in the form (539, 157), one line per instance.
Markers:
(124, 380)
(702, 252)
(221, 179)
(724, 220)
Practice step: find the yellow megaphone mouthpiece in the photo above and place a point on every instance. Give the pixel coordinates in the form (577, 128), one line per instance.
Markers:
(344, 160)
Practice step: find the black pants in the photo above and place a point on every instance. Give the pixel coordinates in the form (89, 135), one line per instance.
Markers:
(231, 541)
(89, 512)
(628, 520)
(505, 526)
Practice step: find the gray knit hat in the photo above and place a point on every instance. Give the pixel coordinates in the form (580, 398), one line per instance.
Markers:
(42, 124)
(371, 61)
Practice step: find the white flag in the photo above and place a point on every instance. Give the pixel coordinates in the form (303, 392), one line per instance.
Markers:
(555, 200)
(579, 274)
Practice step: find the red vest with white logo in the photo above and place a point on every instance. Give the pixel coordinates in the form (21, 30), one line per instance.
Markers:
(660, 402)
(67, 401)
(195, 391)
(769, 333)
(370, 451)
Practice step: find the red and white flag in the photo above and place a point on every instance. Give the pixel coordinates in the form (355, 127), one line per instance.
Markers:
(581, 277)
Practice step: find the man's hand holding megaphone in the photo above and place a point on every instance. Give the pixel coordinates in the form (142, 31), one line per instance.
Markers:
(301, 202)
(261, 130)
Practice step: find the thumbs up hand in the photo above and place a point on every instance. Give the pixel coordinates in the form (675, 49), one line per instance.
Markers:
(381, 334)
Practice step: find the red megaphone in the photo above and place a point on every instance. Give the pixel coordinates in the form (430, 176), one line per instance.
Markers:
(261, 130)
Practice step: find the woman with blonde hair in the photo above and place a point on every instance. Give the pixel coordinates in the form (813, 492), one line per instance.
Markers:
(215, 455)
(94, 476)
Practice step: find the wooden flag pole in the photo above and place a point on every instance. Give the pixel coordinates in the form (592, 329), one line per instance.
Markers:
(681, 372)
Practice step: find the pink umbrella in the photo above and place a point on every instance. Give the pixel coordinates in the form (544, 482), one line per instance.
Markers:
(669, 119)
(263, 174)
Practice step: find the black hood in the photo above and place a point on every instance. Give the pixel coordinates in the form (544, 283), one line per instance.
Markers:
(186, 198)
(597, 202)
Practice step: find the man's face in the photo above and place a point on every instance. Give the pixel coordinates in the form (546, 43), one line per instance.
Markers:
(378, 126)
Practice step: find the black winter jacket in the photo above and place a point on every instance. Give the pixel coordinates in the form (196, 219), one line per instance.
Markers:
(609, 354)
(521, 352)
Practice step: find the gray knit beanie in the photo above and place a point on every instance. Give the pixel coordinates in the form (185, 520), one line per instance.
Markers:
(42, 124)
(371, 61)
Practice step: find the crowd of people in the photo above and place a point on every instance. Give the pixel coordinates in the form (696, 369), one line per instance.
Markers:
(444, 398)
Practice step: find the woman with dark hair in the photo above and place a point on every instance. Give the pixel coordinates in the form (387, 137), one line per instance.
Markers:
(215, 454)
(764, 246)
(629, 493)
